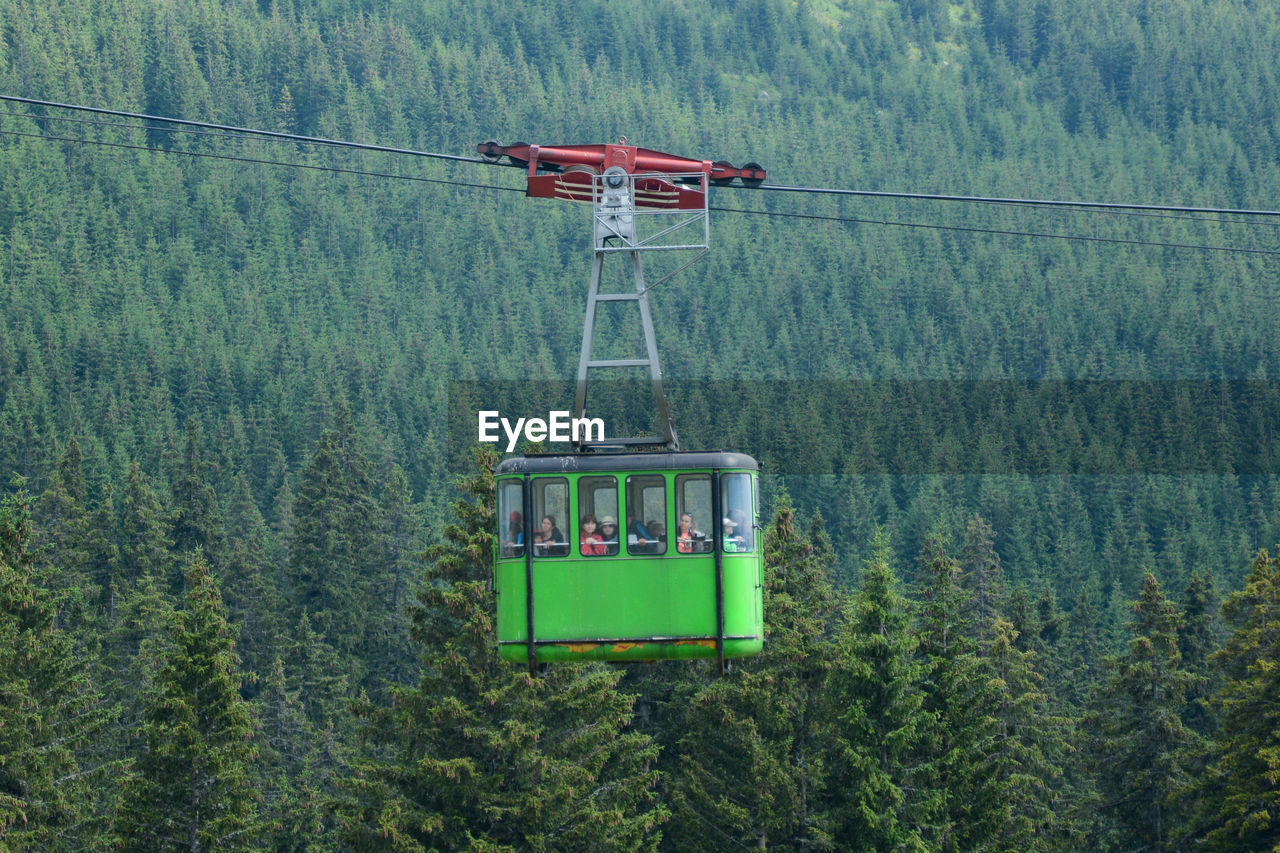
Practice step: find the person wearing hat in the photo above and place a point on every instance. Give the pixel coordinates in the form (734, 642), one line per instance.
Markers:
(609, 535)
(732, 543)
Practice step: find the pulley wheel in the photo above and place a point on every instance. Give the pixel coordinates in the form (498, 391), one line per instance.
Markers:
(752, 182)
(486, 150)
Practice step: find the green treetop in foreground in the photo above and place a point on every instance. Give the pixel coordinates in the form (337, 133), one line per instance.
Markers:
(191, 789)
(48, 709)
(1238, 802)
(1139, 739)
(880, 722)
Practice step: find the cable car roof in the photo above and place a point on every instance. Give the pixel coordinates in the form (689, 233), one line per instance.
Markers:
(572, 463)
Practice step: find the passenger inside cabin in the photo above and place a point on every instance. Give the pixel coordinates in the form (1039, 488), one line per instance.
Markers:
(548, 541)
(732, 541)
(609, 533)
(654, 541)
(513, 545)
(689, 540)
(590, 542)
(639, 538)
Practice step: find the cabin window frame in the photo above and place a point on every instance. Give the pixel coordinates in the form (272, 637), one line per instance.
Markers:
(559, 514)
(638, 498)
(737, 503)
(509, 547)
(701, 509)
(589, 488)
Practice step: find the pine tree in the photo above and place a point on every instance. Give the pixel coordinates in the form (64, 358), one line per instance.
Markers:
(1197, 640)
(66, 539)
(253, 601)
(750, 770)
(1082, 663)
(195, 521)
(982, 577)
(1025, 618)
(1031, 746)
(958, 693)
(190, 789)
(479, 755)
(296, 772)
(142, 539)
(307, 734)
(317, 673)
(62, 511)
(1081, 673)
(1049, 621)
(1140, 739)
(1238, 799)
(104, 554)
(401, 537)
(48, 708)
(334, 570)
(142, 612)
(879, 723)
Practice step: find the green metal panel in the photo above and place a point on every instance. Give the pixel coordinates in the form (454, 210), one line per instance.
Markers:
(624, 597)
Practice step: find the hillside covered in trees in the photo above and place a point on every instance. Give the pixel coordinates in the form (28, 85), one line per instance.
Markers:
(240, 601)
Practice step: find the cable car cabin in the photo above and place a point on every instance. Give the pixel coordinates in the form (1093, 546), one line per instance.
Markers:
(628, 557)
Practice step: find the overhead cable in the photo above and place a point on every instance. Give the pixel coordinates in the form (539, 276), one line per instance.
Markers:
(997, 231)
(1029, 202)
(311, 166)
(270, 134)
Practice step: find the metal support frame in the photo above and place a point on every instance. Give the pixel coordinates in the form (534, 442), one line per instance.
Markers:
(650, 359)
(528, 574)
(717, 547)
(621, 227)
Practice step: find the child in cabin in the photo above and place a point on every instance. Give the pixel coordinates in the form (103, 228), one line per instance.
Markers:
(732, 542)
(590, 542)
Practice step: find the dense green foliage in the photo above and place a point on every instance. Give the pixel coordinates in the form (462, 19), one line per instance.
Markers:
(254, 364)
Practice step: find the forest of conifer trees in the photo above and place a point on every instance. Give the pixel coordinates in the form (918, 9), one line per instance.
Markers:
(1021, 596)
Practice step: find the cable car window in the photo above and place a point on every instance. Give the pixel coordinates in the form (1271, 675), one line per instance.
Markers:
(551, 508)
(737, 525)
(693, 513)
(511, 519)
(646, 514)
(598, 516)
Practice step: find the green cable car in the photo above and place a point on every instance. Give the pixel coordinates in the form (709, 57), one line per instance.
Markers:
(628, 557)
(615, 556)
